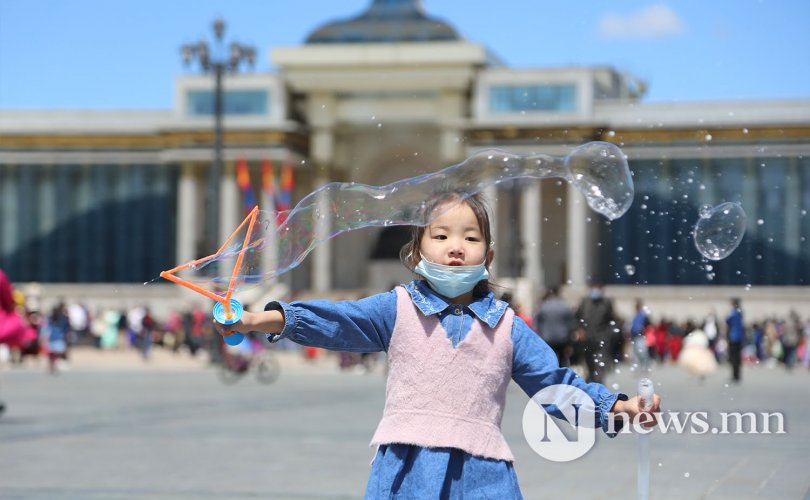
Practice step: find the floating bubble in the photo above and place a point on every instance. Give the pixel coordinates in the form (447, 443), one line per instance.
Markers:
(597, 169)
(705, 211)
(719, 234)
(630, 269)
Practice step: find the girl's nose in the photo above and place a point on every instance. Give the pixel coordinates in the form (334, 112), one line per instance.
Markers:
(456, 251)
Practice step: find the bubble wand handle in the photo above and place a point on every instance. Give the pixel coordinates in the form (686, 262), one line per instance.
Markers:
(646, 391)
(225, 317)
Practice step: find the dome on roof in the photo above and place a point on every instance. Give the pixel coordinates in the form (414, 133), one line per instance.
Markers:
(386, 21)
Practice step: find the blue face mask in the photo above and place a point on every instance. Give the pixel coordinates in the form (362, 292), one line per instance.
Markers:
(451, 281)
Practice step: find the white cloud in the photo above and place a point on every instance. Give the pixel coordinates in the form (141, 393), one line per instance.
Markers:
(655, 21)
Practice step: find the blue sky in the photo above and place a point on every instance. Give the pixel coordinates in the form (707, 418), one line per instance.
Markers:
(106, 54)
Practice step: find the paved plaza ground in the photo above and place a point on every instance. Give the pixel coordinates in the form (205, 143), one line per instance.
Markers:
(113, 427)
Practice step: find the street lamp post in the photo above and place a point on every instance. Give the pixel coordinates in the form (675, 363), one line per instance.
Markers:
(217, 61)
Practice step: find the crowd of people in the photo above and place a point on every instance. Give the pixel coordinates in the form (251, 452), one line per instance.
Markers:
(589, 335)
(592, 335)
(28, 331)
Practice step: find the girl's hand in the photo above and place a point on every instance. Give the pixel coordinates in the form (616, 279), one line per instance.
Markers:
(262, 321)
(239, 326)
(635, 406)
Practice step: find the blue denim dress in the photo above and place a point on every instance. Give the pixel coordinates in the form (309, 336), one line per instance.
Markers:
(409, 471)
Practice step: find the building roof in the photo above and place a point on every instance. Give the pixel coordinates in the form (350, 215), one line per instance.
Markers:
(386, 21)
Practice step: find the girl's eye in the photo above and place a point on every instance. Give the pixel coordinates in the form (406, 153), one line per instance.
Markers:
(473, 238)
(441, 237)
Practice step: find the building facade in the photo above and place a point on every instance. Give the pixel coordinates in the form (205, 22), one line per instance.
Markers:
(93, 200)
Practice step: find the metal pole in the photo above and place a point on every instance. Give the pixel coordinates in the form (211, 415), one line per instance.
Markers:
(216, 167)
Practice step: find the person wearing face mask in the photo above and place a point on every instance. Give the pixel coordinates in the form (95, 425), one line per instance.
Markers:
(452, 348)
(597, 325)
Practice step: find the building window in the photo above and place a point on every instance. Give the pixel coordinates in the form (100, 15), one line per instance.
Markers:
(653, 242)
(87, 223)
(235, 102)
(542, 97)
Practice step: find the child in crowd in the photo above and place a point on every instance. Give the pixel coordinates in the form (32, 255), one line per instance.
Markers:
(452, 349)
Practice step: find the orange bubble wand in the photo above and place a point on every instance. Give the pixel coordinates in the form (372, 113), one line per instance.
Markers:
(227, 310)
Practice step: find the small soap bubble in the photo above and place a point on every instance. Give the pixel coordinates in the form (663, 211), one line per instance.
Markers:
(630, 269)
(719, 234)
(705, 211)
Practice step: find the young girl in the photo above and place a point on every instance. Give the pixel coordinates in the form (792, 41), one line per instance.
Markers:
(452, 350)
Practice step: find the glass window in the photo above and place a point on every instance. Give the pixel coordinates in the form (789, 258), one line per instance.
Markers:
(655, 236)
(770, 221)
(102, 223)
(803, 265)
(235, 102)
(538, 97)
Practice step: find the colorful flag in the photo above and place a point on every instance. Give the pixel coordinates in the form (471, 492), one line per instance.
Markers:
(243, 181)
(287, 184)
(270, 190)
(269, 184)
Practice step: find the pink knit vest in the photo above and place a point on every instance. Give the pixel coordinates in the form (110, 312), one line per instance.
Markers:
(438, 396)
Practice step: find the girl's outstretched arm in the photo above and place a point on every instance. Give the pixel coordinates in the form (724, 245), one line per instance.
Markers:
(265, 321)
(535, 367)
(362, 325)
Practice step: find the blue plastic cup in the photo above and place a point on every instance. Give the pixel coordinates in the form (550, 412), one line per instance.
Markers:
(236, 315)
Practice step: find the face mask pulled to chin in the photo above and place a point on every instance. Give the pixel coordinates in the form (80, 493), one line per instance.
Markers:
(451, 281)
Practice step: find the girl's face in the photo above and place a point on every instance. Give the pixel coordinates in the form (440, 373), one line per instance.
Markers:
(454, 239)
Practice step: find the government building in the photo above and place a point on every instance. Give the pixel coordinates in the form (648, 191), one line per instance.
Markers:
(94, 204)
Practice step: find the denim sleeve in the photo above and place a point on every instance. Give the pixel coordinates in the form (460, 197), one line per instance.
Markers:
(363, 325)
(534, 367)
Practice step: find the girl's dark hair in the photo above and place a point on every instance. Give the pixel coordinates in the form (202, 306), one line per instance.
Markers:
(409, 254)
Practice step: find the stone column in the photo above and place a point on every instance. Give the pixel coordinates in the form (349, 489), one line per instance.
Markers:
(576, 260)
(321, 112)
(490, 195)
(322, 263)
(229, 213)
(269, 231)
(187, 216)
(451, 111)
(531, 228)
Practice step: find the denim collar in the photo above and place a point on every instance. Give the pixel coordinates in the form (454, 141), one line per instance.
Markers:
(486, 308)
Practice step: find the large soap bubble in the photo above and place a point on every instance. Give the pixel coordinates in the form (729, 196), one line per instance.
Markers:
(598, 169)
(719, 230)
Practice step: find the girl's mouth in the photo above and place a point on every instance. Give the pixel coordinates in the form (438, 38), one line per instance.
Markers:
(455, 263)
